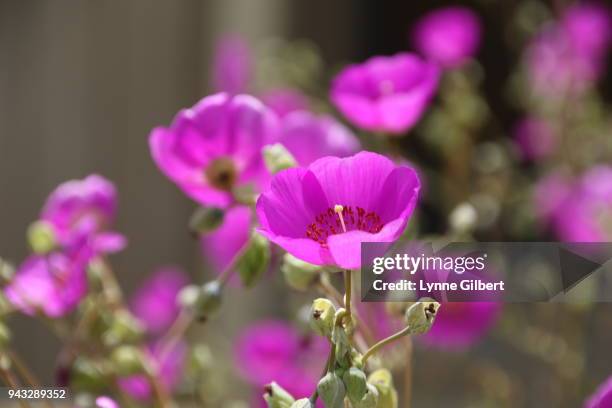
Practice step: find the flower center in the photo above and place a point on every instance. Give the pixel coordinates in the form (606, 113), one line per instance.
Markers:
(339, 219)
(221, 173)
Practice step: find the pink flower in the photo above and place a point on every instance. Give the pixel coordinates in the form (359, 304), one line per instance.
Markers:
(449, 36)
(274, 351)
(588, 27)
(550, 193)
(106, 402)
(461, 324)
(309, 137)
(232, 65)
(298, 211)
(215, 146)
(53, 284)
(535, 138)
(154, 303)
(169, 369)
(385, 94)
(221, 246)
(84, 209)
(586, 213)
(602, 398)
(283, 101)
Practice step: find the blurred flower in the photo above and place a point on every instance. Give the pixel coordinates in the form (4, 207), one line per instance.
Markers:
(283, 101)
(568, 56)
(215, 146)
(588, 27)
(586, 213)
(106, 402)
(168, 370)
(550, 193)
(602, 398)
(221, 246)
(155, 303)
(459, 325)
(300, 211)
(448, 36)
(535, 138)
(385, 94)
(84, 209)
(51, 284)
(309, 137)
(232, 65)
(272, 350)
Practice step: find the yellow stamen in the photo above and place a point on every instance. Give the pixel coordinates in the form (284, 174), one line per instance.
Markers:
(339, 209)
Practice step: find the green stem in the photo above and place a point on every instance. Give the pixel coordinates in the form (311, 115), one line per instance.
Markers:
(405, 331)
(329, 366)
(348, 289)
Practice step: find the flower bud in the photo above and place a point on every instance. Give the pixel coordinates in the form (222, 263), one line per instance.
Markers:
(254, 262)
(205, 219)
(302, 403)
(355, 383)
(421, 315)
(5, 335)
(124, 328)
(7, 271)
(370, 398)
(277, 397)
(277, 158)
(298, 274)
(383, 381)
(332, 391)
(41, 237)
(322, 315)
(86, 375)
(200, 359)
(127, 360)
(209, 299)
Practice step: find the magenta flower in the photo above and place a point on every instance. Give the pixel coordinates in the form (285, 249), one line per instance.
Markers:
(283, 101)
(232, 65)
(52, 284)
(106, 402)
(460, 325)
(221, 246)
(300, 211)
(588, 27)
(385, 94)
(602, 398)
(169, 369)
(274, 351)
(154, 303)
(550, 193)
(84, 209)
(448, 36)
(215, 146)
(586, 213)
(535, 138)
(310, 137)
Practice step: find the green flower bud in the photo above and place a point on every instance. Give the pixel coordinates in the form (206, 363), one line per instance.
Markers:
(7, 271)
(355, 383)
(124, 328)
(340, 339)
(302, 403)
(87, 375)
(277, 397)
(5, 335)
(41, 237)
(370, 399)
(127, 360)
(205, 219)
(277, 158)
(254, 262)
(322, 315)
(201, 358)
(331, 390)
(209, 299)
(383, 381)
(298, 274)
(421, 315)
